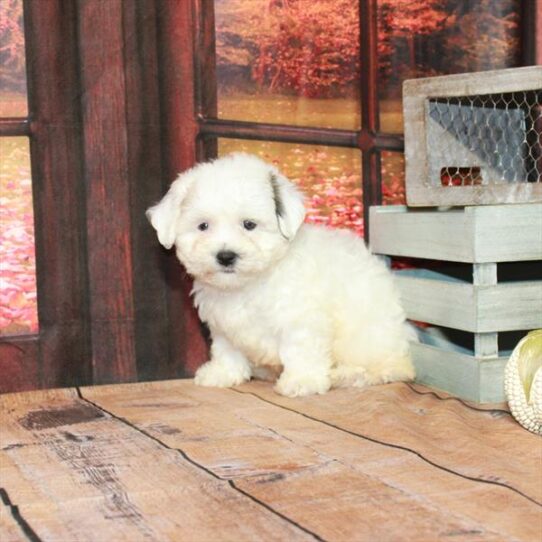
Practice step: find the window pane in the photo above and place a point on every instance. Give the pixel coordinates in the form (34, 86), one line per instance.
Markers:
(393, 178)
(18, 308)
(288, 62)
(12, 60)
(438, 37)
(329, 176)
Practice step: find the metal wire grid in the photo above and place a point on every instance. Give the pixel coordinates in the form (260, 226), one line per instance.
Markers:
(486, 139)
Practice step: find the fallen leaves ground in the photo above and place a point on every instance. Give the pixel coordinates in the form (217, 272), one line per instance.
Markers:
(18, 304)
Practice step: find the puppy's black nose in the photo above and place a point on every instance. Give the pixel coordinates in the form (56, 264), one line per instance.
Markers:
(226, 258)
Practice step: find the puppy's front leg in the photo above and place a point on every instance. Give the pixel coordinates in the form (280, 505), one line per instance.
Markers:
(306, 358)
(228, 367)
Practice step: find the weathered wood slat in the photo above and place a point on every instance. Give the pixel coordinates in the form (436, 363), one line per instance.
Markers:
(479, 380)
(359, 474)
(76, 473)
(396, 231)
(495, 233)
(107, 191)
(460, 84)
(59, 355)
(434, 298)
(446, 434)
(171, 461)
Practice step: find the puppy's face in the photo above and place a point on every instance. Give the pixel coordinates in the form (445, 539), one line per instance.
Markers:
(230, 220)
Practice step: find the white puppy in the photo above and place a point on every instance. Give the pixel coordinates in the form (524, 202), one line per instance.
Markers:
(307, 300)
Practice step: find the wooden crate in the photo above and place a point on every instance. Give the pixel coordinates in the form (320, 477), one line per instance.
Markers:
(474, 139)
(482, 237)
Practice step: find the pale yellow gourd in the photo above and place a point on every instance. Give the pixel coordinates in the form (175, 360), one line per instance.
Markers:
(523, 382)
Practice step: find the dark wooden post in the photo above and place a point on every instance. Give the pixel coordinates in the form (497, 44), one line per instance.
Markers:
(103, 87)
(179, 138)
(63, 346)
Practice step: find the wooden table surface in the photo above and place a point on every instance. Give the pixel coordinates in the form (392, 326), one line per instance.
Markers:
(172, 461)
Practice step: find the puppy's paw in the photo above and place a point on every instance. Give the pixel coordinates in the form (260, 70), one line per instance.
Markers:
(293, 385)
(220, 375)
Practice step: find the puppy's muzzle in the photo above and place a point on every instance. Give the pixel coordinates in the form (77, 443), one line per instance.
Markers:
(226, 258)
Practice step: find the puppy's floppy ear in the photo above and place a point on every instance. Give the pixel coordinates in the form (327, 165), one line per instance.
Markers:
(164, 215)
(289, 206)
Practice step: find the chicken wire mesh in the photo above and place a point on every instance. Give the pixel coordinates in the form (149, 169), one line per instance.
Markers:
(486, 139)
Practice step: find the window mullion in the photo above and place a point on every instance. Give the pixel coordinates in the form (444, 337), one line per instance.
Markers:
(371, 176)
(278, 132)
(14, 126)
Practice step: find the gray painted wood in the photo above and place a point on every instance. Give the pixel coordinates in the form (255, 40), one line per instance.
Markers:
(489, 234)
(459, 374)
(484, 274)
(434, 298)
(486, 345)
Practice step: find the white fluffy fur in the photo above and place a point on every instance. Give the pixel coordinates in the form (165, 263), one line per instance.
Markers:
(307, 300)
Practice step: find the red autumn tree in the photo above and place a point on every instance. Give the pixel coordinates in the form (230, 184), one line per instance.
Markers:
(311, 48)
(400, 24)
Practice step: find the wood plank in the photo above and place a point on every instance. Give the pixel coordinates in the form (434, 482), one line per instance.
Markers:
(145, 176)
(61, 354)
(510, 306)
(486, 340)
(434, 298)
(486, 82)
(108, 208)
(342, 479)
(461, 374)
(486, 346)
(447, 434)
(50, 525)
(495, 233)
(76, 473)
(442, 196)
(396, 231)
(507, 233)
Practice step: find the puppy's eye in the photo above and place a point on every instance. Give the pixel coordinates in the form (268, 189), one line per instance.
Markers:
(203, 226)
(249, 225)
